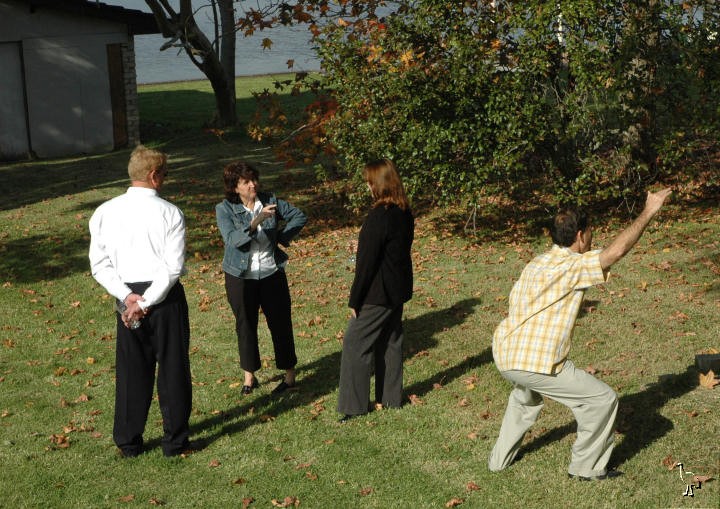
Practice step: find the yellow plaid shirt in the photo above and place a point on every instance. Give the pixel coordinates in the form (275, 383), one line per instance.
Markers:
(544, 304)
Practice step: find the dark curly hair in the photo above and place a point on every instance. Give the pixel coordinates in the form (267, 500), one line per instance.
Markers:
(232, 173)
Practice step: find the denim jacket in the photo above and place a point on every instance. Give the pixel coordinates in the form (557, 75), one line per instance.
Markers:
(234, 224)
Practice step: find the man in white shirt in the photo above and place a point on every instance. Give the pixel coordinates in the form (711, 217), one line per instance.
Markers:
(137, 253)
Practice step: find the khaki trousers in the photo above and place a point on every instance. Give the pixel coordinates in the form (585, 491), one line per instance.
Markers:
(593, 403)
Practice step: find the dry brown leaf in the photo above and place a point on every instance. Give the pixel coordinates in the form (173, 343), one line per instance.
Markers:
(454, 502)
(669, 462)
(60, 440)
(156, 501)
(287, 502)
(366, 491)
(214, 463)
(708, 380)
(471, 486)
(247, 501)
(699, 479)
(414, 400)
(239, 480)
(126, 498)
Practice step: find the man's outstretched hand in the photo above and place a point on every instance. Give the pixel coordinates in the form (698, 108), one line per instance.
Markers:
(654, 201)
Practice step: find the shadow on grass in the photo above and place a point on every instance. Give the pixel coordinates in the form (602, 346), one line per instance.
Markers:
(38, 258)
(319, 378)
(639, 419)
(26, 183)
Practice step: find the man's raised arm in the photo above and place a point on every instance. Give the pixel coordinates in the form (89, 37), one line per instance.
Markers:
(624, 242)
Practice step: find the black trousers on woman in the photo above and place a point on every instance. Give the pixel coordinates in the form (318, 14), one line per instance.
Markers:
(163, 339)
(272, 294)
(373, 342)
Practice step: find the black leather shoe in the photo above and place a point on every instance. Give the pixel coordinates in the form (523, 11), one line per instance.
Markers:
(282, 387)
(247, 389)
(129, 453)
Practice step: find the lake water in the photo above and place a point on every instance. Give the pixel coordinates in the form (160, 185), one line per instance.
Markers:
(289, 43)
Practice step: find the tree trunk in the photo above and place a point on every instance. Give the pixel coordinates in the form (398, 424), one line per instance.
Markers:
(217, 62)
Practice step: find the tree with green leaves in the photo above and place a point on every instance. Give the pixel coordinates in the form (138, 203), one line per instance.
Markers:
(573, 99)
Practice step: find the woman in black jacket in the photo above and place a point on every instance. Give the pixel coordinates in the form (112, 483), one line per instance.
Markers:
(383, 283)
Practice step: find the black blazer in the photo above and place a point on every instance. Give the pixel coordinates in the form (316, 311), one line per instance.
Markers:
(383, 268)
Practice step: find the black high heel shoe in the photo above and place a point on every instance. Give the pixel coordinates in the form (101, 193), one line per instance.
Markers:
(282, 387)
(247, 389)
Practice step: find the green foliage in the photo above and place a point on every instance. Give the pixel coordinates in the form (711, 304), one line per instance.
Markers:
(639, 332)
(580, 100)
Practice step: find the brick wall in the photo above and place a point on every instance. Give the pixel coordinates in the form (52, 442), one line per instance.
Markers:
(131, 95)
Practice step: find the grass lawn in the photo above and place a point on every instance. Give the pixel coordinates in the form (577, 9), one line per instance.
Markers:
(640, 333)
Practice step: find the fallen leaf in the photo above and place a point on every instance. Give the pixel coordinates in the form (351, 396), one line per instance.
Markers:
(454, 502)
(60, 440)
(708, 380)
(287, 502)
(414, 400)
(214, 463)
(669, 462)
(247, 501)
(700, 479)
(126, 498)
(156, 501)
(471, 486)
(239, 480)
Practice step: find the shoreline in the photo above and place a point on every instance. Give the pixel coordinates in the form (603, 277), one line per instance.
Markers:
(190, 80)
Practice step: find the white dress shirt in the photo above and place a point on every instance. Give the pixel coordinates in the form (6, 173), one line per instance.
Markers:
(262, 260)
(137, 237)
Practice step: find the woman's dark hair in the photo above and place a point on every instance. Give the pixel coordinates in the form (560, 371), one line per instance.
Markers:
(232, 173)
(567, 223)
(385, 184)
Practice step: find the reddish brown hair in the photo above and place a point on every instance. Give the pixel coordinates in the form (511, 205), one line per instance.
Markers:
(385, 184)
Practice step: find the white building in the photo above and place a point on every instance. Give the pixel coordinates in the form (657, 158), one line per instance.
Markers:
(67, 77)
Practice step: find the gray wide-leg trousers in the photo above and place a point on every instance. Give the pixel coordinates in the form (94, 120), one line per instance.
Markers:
(593, 403)
(373, 342)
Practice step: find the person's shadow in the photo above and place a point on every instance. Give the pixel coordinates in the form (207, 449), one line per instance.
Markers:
(419, 339)
(320, 377)
(639, 419)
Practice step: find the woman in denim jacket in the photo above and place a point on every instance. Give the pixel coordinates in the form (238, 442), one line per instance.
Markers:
(252, 224)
